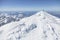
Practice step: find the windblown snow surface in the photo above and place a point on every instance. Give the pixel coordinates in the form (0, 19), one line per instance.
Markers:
(41, 26)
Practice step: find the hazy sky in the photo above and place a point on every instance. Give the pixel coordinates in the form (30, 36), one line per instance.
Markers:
(30, 5)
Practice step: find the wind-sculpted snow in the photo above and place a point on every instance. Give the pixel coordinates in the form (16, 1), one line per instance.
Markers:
(41, 26)
(21, 33)
(32, 26)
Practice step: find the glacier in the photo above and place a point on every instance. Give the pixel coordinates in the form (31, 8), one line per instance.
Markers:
(40, 26)
(7, 17)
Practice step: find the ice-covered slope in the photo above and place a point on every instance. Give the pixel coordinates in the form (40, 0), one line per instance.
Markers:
(41, 26)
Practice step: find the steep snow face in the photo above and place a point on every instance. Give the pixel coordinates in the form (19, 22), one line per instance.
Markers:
(41, 26)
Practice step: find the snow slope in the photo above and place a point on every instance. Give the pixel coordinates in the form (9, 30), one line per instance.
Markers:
(41, 26)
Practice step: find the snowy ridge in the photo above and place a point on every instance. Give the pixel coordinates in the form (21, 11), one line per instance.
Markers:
(41, 26)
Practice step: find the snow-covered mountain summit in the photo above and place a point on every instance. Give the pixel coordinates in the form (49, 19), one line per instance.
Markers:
(41, 26)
